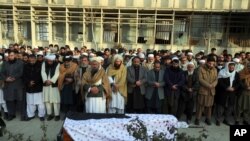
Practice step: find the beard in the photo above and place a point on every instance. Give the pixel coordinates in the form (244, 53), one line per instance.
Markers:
(93, 71)
(117, 66)
(12, 61)
(83, 65)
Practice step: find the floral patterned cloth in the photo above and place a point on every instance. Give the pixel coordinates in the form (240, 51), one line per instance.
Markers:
(113, 129)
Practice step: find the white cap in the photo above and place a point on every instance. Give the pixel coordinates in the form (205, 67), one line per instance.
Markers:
(202, 61)
(151, 55)
(85, 54)
(118, 57)
(97, 59)
(175, 58)
(101, 58)
(39, 53)
(237, 60)
(190, 63)
(190, 54)
(76, 56)
(134, 54)
(127, 53)
(6, 54)
(141, 55)
(35, 47)
(92, 55)
(51, 57)
(202, 51)
(172, 51)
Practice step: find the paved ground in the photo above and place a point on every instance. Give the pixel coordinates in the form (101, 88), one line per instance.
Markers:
(33, 129)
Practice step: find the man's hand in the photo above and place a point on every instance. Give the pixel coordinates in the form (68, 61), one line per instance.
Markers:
(138, 83)
(48, 82)
(174, 87)
(8, 79)
(157, 85)
(190, 90)
(115, 87)
(94, 90)
(31, 83)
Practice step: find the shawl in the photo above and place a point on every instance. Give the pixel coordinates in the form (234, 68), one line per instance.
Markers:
(120, 78)
(65, 71)
(224, 73)
(245, 75)
(101, 74)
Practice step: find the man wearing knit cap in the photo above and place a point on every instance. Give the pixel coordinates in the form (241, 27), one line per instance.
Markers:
(50, 73)
(96, 87)
(142, 58)
(117, 73)
(174, 79)
(208, 81)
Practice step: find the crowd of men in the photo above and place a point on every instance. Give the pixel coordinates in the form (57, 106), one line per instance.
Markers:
(52, 81)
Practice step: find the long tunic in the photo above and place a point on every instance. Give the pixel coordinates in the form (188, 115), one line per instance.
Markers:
(50, 94)
(13, 90)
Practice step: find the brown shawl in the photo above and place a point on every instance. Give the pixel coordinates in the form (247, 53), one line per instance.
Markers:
(245, 75)
(88, 79)
(66, 71)
(120, 77)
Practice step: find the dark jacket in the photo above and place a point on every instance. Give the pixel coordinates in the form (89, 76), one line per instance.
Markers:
(173, 76)
(33, 73)
(224, 95)
(185, 94)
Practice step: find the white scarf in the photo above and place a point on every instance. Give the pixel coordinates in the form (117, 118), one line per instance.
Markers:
(224, 73)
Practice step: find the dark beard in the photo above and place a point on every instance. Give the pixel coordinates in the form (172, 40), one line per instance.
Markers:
(12, 61)
(116, 66)
(93, 72)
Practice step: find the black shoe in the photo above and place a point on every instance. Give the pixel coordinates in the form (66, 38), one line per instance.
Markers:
(226, 122)
(6, 115)
(245, 122)
(50, 117)
(208, 122)
(217, 123)
(41, 118)
(237, 123)
(197, 122)
(11, 117)
(57, 118)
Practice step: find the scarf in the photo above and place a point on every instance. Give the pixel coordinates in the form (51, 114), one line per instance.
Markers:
(120, 78)
(101, 74)
(224, 73)
(66, 71)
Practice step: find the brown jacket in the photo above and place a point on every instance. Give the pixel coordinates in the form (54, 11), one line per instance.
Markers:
(207, 78)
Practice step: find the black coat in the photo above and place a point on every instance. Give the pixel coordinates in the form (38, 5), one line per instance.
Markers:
(33, 73)
(225, 97)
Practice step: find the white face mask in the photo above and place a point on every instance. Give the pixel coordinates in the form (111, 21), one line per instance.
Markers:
(219, 67)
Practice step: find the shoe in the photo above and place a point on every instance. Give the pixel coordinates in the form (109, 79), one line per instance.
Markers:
(226, 122)
(245, 122)
(237, 123)
(57, 118)
(50, 117)
(197, 122)
(6, 115)
(208, 122)
(217, 123)
(11, 117)
(41, 118)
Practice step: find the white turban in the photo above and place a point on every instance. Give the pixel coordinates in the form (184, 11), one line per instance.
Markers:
(190, 63)
(151, 55)
(202, 61)
(141, 55)
(6, 54)
(118, 57)
(39, 53)
(237, 60)
(190, 54)
(175, 58)
(97, 59)
(85, 54)
(51, 57)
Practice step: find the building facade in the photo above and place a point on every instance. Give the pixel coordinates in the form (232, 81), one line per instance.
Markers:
(154, 24)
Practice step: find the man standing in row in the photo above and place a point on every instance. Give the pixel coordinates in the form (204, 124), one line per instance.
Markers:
(51, 95)
(96, 87)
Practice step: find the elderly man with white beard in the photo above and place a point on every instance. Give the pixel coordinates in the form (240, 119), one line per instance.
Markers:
(116, 74)
(96, 87)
